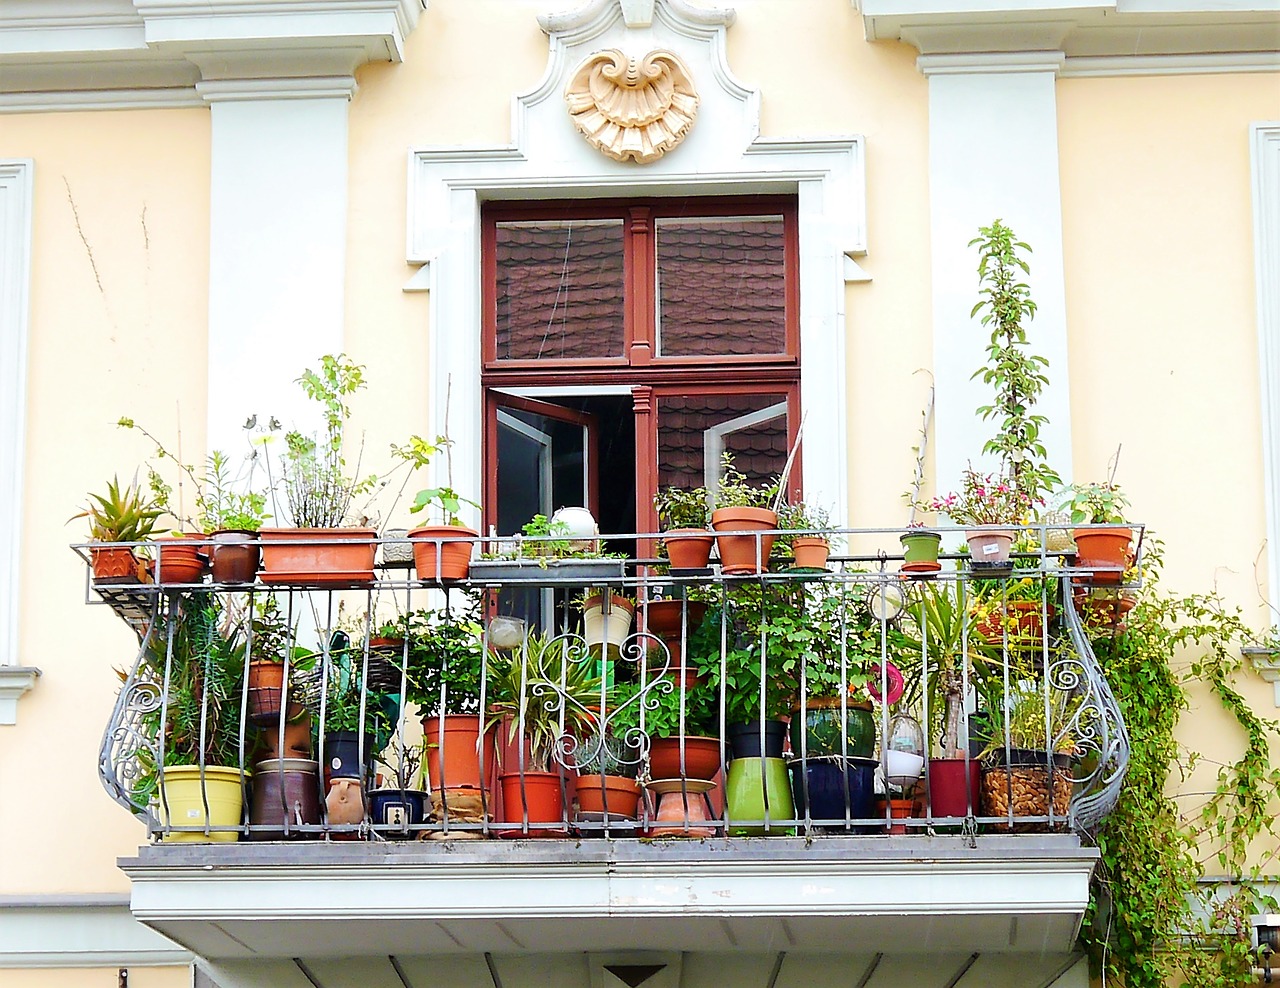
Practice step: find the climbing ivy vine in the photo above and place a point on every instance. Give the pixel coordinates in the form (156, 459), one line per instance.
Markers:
(1152, 921)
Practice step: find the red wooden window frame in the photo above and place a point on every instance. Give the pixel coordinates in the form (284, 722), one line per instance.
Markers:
(648, 374)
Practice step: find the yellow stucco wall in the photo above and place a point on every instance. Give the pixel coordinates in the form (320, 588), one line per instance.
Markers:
(1161, 307)
(127, 339)
(90, 977)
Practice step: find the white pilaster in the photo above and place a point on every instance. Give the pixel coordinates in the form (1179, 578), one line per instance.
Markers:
(993, 154)
(1266, 241)
(277, 249)
(15, 280)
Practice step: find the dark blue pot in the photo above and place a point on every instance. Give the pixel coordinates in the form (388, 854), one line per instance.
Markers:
(342, 756)
(826, 790)
(397, 810)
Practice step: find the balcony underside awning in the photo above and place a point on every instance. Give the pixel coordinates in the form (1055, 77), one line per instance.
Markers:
(899, 896)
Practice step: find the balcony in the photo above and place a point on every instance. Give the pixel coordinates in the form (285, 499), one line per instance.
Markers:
(935, 748)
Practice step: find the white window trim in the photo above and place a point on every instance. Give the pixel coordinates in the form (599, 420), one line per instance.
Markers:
(16, 189)
(1265, 147)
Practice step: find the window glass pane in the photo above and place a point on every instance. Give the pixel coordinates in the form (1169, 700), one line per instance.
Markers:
(559, 289)
(721, 286)
(693, 430)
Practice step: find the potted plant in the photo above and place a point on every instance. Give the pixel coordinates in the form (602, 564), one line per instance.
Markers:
(683, 516)
(119, 515)
(551, 549)
(1010, 613)
(399, 804)
(805, 535)
(441, 551)
(270, 641)
(934, 624)
(226, 508)
(445, 674)
(606, 621)
(320, 550)
(1105, 546)
(542, 692)
(680, 721)
(742, 508)
(606, 763)
(920, 544)
(1027, 762)
(989, 505)
(194, 731)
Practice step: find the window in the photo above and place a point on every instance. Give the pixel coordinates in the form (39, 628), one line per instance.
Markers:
(627, 344)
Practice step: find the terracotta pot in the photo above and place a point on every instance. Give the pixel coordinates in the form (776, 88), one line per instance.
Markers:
(446, 555)
(266, 686)
(920, 551)
(810, 552)
(297, 734)
(989, 546)
(454, 758)
(1021, 620)
(318, 557)
(115, 566)
(1105, 551)
(1105, 613)
(684, 810)
(663, 617)
(899, 809)
(234, 558)
(543, 803)
(597, 793)
(701, 758)
(738, 553)
(688, 548)
(181, 561)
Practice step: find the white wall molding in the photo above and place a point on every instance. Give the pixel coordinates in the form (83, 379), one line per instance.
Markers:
(1215, 63)
(1265, 155)
(79, 932)
(1128, 31)
(993, 154)
(110, 54)
(17, 184)
(15, 681)
(723, 154)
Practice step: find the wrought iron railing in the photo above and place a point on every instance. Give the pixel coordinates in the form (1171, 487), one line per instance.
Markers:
(633, 726)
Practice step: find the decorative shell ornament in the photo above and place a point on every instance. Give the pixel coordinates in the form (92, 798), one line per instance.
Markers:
(632, 108)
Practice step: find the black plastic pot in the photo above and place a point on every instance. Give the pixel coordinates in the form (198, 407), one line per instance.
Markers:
(744, 738)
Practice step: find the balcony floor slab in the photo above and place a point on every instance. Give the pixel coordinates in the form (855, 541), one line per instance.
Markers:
(1023, 893)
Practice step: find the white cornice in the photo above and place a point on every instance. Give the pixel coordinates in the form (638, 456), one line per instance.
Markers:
(90, 54)
(1215, 30)
(14, 682)
(991, 62)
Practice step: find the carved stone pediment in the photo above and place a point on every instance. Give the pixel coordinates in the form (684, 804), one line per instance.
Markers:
(632, 108)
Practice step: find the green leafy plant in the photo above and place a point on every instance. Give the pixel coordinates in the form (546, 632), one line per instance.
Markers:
(446, 658)
(801, 518)
(317, 487)
(1152, 921)
(1094, 503)
(735, 489)
(1016, 374)
(121, 514)
(223, 500)
(662, 708)
(417, 452)
(680, 507)
(544, 690)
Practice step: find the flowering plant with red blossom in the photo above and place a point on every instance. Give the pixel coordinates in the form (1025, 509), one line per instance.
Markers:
(985, 499)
